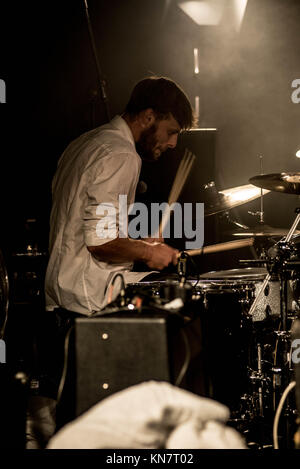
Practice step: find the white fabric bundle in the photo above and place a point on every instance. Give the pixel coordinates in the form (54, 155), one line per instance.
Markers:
(147, 416)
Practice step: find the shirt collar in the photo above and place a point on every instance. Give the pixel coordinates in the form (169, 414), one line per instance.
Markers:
(121, 124)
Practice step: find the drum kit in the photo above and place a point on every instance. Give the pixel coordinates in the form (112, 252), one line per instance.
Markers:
(247, 316)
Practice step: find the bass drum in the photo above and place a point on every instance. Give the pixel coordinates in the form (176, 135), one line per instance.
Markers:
(226, 337)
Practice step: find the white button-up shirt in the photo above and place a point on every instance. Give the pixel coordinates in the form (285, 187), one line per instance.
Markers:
(94, 169)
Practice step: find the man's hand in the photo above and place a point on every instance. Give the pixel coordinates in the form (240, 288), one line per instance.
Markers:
(160, 255)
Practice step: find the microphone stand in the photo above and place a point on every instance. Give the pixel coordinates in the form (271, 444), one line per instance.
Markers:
(101, 80)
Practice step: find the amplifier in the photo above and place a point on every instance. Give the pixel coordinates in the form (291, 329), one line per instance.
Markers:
(115, 352)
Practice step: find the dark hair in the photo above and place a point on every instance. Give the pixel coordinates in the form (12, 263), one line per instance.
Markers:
(164, 96)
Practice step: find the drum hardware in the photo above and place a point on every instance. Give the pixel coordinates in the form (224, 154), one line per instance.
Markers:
(261, 379)
(246, 300)
(277, 382)
(283, 335)
(228, 218)
(278, 265)
(260, 382)
(257, 298)
(183, 266)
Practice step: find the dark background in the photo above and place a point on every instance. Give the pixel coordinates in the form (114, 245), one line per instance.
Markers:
(53, 94)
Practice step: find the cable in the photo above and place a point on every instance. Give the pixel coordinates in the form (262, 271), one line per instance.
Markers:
(186, 360)
(64, 372)
(122, 291)
(122, 279)
(278, 412)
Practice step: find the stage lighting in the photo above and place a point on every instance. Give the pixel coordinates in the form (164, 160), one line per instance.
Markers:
(211, 12)
(205, 12)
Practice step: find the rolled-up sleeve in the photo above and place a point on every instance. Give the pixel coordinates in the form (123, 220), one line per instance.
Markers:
(108, 178)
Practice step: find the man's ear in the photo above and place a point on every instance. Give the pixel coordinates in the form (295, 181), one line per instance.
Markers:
(147, 118)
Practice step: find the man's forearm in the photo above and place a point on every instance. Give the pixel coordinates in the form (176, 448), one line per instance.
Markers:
(122, 250)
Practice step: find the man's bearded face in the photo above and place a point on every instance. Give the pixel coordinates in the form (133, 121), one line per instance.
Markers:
(146, 146)
(160, 136)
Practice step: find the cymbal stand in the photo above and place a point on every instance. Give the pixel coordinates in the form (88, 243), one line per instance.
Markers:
(261, 212)
(261, 217)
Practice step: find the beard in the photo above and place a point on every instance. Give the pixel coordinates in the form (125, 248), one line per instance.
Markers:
(146, 144)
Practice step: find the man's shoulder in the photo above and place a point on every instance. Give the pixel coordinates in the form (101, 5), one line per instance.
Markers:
(114, 136)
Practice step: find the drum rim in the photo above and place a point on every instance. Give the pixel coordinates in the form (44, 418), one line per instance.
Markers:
(246, 278)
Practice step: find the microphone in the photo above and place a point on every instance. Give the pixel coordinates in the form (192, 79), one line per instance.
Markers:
(141, 187)
(182, 267)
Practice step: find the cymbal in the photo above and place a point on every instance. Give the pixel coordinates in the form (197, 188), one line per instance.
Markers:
(233, 197)
(289, 183)
(262, 230)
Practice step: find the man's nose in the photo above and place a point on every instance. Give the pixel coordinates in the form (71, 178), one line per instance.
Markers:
(172, 142)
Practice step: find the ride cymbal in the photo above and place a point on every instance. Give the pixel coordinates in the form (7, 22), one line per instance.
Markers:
(288, 183)
(262, 230)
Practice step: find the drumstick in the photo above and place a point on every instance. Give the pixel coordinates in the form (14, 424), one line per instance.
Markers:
(182, 174)
(241, 243)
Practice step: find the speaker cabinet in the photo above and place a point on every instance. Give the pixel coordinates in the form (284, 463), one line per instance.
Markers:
(113, 353)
